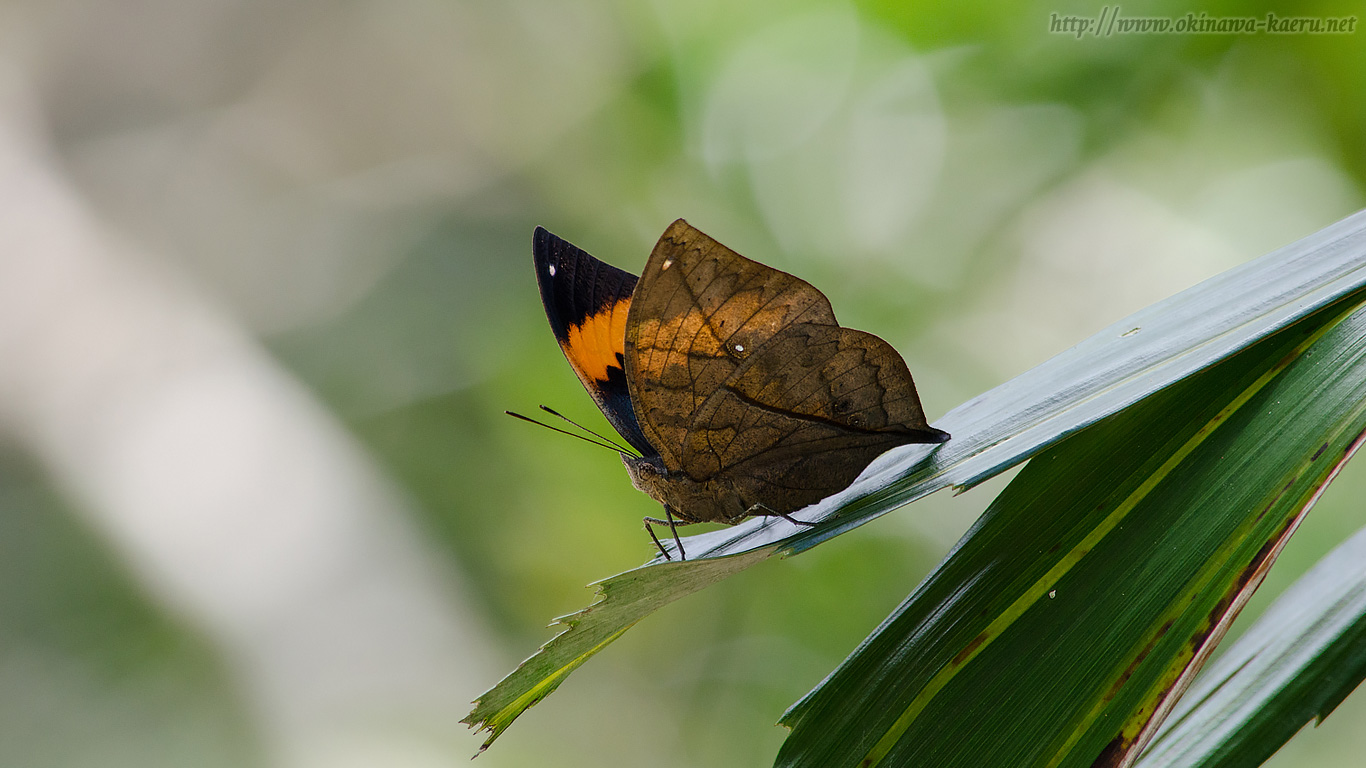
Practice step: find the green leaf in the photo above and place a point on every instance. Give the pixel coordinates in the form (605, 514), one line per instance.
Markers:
(1297, 663)
(1102, 375)
(622, 600)
(1081, 603)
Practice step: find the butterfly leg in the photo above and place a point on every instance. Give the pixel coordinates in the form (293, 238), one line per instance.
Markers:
(655, 538)
(673, 526)
(760, 509)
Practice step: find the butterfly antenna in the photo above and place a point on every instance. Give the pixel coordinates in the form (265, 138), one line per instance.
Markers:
(608, 446)
(608, 440)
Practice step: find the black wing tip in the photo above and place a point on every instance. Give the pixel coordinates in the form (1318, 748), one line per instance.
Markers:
(548, 256)
(548, 248)
(544, 242)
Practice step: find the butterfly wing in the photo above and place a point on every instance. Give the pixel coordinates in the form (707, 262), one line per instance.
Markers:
(587, 302)
(699, 311)
(804, 415)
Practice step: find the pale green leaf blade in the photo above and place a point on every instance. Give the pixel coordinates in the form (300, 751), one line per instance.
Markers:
(622, 600)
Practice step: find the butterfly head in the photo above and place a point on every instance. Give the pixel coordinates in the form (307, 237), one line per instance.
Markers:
(715, 500)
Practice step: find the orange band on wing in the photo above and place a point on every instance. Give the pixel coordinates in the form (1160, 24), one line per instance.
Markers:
(598, 342)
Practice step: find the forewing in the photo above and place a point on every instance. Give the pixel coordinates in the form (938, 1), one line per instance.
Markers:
(587, 302)
(804, 415)
(699, 311)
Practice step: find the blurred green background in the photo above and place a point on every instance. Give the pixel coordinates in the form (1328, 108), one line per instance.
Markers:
(266, 289)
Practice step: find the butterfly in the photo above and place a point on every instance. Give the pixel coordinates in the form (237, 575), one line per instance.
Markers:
(733, 383)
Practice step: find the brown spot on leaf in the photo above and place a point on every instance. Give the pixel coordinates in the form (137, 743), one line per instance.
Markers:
(1133, 665)
(963, 655)
(1113, 754)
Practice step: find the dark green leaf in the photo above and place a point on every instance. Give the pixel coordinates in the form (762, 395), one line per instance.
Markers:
(1080, 604)
(1298, 662)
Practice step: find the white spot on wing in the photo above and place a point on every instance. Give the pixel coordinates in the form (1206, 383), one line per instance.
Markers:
(667, 263)
(552, 270)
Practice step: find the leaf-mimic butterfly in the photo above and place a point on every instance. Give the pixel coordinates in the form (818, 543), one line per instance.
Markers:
(732, 381)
